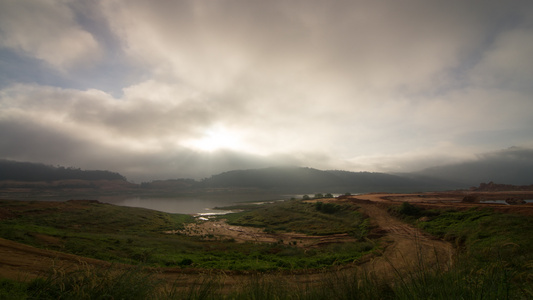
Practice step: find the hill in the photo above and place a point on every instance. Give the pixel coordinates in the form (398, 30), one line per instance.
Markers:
(27, 172)
(26, 179)
(512, 166)
(309, 180)
(280, 179)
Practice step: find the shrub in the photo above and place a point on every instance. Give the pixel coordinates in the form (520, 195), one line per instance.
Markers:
(328, 208)
(409, 210)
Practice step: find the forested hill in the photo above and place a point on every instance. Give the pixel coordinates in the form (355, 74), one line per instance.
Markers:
(297, 179)
(26, 171)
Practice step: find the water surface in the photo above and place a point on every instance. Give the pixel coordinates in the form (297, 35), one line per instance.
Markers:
(188, 204)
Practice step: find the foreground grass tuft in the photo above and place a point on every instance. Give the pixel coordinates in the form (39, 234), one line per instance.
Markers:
(93, 283)
(464, 281)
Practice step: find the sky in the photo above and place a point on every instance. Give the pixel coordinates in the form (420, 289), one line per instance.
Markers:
(171, 89)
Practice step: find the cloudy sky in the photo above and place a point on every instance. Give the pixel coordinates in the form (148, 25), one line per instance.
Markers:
(168, 89)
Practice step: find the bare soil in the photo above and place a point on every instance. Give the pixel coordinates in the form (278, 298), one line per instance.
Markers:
(219, 229)
(406, 247)
(453, 199)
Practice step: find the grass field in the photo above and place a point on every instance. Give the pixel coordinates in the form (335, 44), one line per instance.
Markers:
(495, 258)
(309, 218)
(136, 236)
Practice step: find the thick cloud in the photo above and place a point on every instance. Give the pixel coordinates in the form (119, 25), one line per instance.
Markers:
(48, 31)
(510, 166)
(385, 86)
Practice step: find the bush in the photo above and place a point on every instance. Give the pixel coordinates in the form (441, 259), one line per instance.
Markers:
(409, 210)
(185, 262)
(12, 290)
(328, 208)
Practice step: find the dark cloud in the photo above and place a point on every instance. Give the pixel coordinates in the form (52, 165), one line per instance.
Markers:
(510, 166)
(34, 141)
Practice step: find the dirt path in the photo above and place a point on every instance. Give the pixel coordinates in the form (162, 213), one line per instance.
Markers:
(406, 247)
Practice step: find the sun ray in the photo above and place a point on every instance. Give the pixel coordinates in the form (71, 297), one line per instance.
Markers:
(214, 139)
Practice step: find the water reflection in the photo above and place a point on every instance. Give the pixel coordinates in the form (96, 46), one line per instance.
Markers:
(172, 205)
(198, 205)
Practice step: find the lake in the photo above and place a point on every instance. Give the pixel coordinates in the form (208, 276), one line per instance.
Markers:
(200, 205)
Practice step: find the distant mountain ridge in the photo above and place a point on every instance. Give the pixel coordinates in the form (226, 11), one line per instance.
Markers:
(297, 179)
(512, 166)
(283, 179)
(31, 172)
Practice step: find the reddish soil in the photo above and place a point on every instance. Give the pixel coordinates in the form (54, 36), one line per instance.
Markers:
(453, 200)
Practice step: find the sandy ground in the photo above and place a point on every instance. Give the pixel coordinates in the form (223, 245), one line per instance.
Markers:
(405, 246)
(219, 230)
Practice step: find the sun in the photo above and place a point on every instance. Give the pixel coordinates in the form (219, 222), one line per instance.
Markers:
(216, 139)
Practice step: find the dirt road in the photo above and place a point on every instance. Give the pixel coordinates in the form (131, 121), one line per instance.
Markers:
(406, 247)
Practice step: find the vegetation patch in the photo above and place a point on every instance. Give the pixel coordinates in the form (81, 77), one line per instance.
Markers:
(495, 259)
(137, 236)
(489, 242)
(309, 218)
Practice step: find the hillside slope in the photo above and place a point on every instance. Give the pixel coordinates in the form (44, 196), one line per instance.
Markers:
(27, 171)
(308, 180)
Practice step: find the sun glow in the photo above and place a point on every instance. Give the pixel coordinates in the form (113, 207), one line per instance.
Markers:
(216, 139)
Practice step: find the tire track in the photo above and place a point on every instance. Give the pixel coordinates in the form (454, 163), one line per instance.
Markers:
(406, 248)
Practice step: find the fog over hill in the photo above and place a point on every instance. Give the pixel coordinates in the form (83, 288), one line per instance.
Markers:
(26, 171)
(296, 179)
(510, 166)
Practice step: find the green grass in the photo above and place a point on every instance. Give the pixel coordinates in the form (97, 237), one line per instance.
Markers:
(135, 236)
(308, 218)
(479, 232)
(464, 281)
(495, 261)
(495, 249)
(89, 283)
